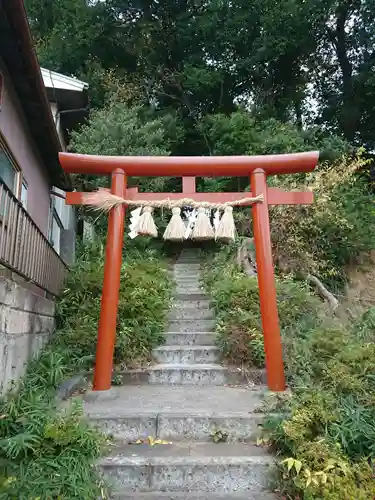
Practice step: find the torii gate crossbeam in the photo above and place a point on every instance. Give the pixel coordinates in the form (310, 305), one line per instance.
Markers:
(257, 167)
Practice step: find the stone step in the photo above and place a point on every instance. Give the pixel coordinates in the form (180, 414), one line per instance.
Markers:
(189, 290)
(194, 374)
(231, 376)
(188, 282)
(186, 275)
(191, 304)
(178, 413)
(188, 261)
(188, 467)
(188, 297)
(190, 338)
(190, 314)
(186, 354)
(191, 266)
(180, 425)
(190, 325)
(156, 495)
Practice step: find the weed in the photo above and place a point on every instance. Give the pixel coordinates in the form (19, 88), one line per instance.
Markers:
(327, 434)
(49, 453)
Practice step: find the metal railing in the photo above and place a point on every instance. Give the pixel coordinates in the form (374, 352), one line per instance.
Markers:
(23, 247)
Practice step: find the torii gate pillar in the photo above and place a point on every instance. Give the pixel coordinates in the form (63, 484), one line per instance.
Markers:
(267, 285)
(111, 287)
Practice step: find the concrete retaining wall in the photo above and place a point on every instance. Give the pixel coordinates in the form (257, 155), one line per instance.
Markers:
(26, 323)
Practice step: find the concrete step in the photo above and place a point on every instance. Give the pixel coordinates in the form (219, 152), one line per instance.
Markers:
(190, 325)
(188, 467)
(186, 274)
(146, 376)
(188, 297)
(188, 282)
(186, 354)
(179, 425)
(178, 413)
(189, 290)
(188, 261)
(198, 374)
(156, 495)
(187, 266)
(190, 338)
(190, 314)
(191, 304)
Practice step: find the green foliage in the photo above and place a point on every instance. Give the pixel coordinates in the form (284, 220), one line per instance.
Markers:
(331, 415)
(304, 62)
(120, 130)
(48, 452)
(236, 299)
(332, 232)
(143, 302)
(327, 434)
(242, 133)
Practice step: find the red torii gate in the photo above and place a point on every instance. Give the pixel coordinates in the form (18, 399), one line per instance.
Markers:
(188, 167)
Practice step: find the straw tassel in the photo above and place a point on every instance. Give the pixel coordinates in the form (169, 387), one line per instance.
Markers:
(226, 229)
(175, 231)
(146, 225)
(202, 227)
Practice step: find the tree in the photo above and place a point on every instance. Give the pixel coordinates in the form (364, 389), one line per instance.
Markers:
(202, 58)
(120, 130)
(82, 39)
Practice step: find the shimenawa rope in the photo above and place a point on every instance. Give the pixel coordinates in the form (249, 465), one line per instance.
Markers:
(103, 200)
(203, 230)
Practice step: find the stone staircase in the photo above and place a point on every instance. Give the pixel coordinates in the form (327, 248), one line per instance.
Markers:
(184, 399)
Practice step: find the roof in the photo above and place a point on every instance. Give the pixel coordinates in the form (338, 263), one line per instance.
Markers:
(55, 80)
(18, 53)
(71, 95)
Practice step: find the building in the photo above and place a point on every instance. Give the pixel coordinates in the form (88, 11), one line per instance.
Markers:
(37, 229)
(68, 98)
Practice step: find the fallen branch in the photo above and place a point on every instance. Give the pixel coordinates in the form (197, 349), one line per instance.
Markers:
(246, 258)
(322, 291)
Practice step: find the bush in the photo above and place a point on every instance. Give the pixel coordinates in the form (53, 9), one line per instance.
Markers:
(327, 434)
(47, 452)
(323, 238)
(236, 299)
(143, 302)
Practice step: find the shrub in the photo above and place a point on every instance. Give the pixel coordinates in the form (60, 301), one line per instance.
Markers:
(327, 434)
(47, 452)
(143, 302)
(236, 299)
(334, 231)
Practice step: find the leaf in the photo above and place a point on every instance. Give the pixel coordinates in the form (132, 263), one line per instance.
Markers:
(290, 462)
(315, 481)
(298, 466)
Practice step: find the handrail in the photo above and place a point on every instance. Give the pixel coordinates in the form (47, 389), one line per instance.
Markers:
(23, 247)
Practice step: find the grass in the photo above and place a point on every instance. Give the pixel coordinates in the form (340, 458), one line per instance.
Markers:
(46, 452)
(326, 444)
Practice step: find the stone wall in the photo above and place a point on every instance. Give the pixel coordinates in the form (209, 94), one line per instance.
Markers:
(26, 323)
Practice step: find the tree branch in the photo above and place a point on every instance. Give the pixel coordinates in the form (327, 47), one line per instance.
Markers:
(322, 291)
(246, 258)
